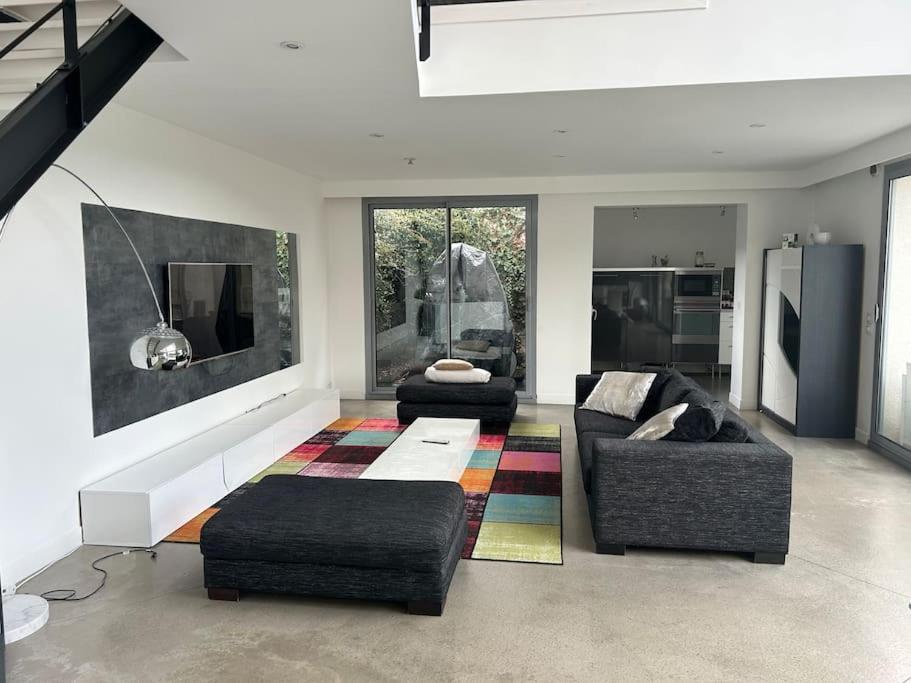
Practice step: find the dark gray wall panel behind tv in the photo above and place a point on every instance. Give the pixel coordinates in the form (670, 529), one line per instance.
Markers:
(120, 306)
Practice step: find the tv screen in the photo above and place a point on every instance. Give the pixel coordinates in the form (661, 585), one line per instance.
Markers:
(212, 304)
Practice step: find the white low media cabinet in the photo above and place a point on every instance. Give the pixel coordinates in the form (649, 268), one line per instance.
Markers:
(145, 502)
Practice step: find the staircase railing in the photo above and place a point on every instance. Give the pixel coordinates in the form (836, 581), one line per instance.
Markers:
(41, 127)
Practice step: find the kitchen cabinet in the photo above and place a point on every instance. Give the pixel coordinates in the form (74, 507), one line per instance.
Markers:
(726, 338)
(632, 318)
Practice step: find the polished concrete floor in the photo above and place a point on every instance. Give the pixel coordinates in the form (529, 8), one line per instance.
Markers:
(837, 611)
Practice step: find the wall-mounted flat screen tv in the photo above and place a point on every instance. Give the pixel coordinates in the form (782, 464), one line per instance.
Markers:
(212, 304)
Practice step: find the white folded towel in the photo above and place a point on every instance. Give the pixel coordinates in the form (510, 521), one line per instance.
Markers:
(473, 376)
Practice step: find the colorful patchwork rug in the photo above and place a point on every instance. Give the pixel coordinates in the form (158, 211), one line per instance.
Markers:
(513, 484)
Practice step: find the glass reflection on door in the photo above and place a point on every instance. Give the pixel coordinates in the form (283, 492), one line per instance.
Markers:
(450, 280)
(894, 395)
(488, 289)
(411, 319)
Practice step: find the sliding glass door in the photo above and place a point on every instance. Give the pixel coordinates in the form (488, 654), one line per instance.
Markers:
(892, 393)
(449, 277)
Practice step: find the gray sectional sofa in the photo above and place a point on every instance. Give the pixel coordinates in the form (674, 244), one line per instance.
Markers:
(729, 493)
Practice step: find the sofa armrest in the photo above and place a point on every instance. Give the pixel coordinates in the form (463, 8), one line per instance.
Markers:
(711, 495)
(585, 384)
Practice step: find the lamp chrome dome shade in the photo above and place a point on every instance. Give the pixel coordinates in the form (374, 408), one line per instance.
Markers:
(161, 348)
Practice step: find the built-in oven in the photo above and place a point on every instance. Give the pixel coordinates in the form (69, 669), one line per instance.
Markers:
(697, 286)
(696, 333)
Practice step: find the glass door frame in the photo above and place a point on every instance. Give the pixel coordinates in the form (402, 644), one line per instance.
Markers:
(529, 202)
(877, 442)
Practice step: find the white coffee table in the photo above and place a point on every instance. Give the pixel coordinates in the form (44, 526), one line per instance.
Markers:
(410, 457)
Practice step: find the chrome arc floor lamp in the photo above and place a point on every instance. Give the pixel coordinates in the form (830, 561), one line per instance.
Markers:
(159, 347)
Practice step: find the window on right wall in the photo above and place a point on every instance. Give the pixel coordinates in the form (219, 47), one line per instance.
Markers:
(892, 392)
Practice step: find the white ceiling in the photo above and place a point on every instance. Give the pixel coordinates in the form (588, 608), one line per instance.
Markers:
(314, 109)
(616, 46)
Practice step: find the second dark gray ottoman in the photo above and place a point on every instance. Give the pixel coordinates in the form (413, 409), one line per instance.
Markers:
(346, 538)
(493, 402)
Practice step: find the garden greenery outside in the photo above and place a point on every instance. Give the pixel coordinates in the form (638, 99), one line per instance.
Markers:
(407, 241)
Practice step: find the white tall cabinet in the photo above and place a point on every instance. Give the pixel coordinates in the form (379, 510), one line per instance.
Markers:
(811, 338)
(779, 372)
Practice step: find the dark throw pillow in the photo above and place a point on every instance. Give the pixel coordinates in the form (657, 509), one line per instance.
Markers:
(702, 419)
(653, 399)
(733, 430)
(673, 389)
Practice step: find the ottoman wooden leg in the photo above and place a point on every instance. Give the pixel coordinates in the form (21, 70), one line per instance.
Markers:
(610, 549)
(427, 608)
(768, 558)
(231, 594)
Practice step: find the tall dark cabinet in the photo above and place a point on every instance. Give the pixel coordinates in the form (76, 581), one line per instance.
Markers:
(632, 318)
(810, 346)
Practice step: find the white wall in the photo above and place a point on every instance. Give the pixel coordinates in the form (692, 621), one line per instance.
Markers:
(47, 450)
(346, 295)
(850, 207)
(624, 241)
(565, 227)
(565, 250)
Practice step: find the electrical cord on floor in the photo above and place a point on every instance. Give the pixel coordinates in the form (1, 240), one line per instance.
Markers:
(69, 594)
(5, 221)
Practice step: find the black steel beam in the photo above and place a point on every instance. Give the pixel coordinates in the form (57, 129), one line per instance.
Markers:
(37, 132)
(424, 38)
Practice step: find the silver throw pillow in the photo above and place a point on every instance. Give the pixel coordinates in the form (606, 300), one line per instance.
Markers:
(621, 394)
(660, 425)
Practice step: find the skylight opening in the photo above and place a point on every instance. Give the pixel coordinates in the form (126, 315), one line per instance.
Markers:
(475, 11)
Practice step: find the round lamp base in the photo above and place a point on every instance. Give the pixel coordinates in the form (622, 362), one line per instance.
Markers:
(23, 615)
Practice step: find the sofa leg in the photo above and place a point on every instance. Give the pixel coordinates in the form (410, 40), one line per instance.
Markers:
(768, 558)
(610, 549)
(230, 594)
(426, 608)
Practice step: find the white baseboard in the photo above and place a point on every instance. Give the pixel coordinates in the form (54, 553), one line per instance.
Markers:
(24, 566)
(352, 395)
(862, 435)
(556, 399)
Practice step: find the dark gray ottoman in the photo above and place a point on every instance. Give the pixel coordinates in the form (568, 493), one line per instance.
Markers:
(492, 402)
(342, 538)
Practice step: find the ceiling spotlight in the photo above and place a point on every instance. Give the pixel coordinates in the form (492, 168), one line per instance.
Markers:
(376, 135)
(560, 131)
(724, 210)
(410, 160)
(291, 45)
(636, 214)
(757, 125)
(559, 156)
(717, 151)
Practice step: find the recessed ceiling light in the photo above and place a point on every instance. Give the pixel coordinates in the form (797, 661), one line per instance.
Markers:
(717, 151)
(560, 131)
(559, 156)
(291, 45)
(377, 135)
(410, 160)
(757, 125)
